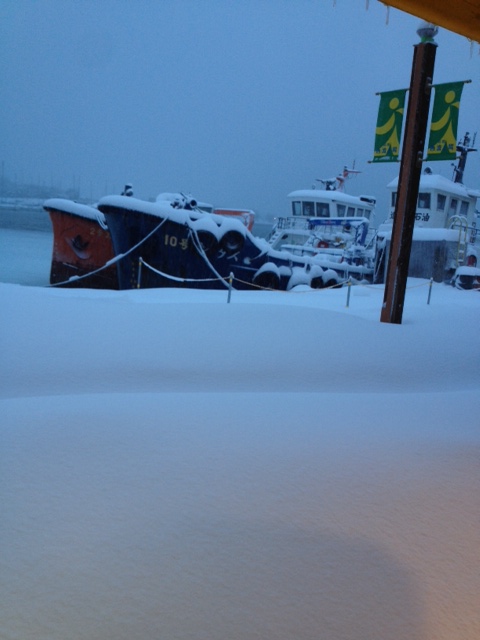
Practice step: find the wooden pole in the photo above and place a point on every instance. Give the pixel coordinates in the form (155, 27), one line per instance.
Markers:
(409, 181)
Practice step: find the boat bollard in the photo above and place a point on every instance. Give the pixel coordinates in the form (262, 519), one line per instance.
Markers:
(349, 286)
(430, 290)
(230, 280)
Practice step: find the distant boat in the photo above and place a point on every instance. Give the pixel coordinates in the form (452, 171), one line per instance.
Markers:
(82, 246)
(246, 216)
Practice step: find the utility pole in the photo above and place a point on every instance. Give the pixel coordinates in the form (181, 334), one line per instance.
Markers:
(409, 179)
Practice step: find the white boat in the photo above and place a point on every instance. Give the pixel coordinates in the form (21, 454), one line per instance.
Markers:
(325, 218)
(330, 225)
(445, 236)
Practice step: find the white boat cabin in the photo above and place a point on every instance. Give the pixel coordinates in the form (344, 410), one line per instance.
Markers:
(329, 216)
(321, 203)
(441, 202)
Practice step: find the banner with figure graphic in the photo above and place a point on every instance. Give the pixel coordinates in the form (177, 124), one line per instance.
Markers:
(389, 126)
(442, 144)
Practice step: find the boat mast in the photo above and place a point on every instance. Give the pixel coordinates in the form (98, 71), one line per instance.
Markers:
(338, 183)
(463, 148)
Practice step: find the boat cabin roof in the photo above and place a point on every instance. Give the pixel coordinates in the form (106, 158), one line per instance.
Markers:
(436, 182)
(322, 195)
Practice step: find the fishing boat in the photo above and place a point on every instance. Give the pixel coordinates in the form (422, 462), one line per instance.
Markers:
(83, 255)
(159, 244)
(178, 242)
(324, 220)
(330, 225)
(445, 234)
(82, 247)
(246, 216)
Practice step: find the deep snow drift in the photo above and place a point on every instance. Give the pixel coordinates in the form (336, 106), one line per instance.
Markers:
(173, 466)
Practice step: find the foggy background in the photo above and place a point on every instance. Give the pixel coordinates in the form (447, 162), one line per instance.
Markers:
(236, 102)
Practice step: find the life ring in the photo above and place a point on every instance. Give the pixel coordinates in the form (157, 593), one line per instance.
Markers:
(321, 244)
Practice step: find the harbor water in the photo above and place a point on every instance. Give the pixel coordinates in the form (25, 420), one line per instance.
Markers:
(26, 242)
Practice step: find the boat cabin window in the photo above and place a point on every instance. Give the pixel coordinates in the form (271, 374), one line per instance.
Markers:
(308, 209)
(453, 207)
(394, 198)
(463, 207)
(351, 211)
(341, 210)
(424, 201)
(441, 200)
(297, 208)
(360, 212)
(323, 209)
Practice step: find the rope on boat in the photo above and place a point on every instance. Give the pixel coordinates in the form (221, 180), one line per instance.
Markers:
(109, 263)
(201, 251)
(175, 278)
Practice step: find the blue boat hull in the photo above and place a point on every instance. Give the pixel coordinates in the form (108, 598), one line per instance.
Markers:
(173, 251)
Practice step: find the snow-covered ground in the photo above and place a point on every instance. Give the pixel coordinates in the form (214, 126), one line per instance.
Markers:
(283, 466)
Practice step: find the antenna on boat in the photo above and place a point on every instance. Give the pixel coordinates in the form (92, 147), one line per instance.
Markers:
(463, 148)
(346, 173)
(338, 183)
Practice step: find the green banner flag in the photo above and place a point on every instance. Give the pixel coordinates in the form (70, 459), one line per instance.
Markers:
(442, 144)
(389, 126)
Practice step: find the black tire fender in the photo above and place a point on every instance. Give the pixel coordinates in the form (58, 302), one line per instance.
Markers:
(207, 240)
(232, 241)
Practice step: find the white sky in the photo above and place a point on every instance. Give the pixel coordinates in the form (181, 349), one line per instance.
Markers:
(238, 103)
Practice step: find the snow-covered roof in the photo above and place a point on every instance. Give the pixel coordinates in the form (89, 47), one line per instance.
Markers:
(322, 195)
(436, 182)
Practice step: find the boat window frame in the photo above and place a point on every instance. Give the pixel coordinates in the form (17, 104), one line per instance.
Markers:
(297, 208)
(324, 208)
(452, 209)
(306, 205)
(464, 205)
(341, 209)
(441, 201)
(424, 200)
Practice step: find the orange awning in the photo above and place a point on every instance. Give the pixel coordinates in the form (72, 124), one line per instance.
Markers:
(460, 16)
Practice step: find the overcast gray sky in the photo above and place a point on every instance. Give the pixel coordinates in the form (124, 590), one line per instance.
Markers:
(236, 101)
